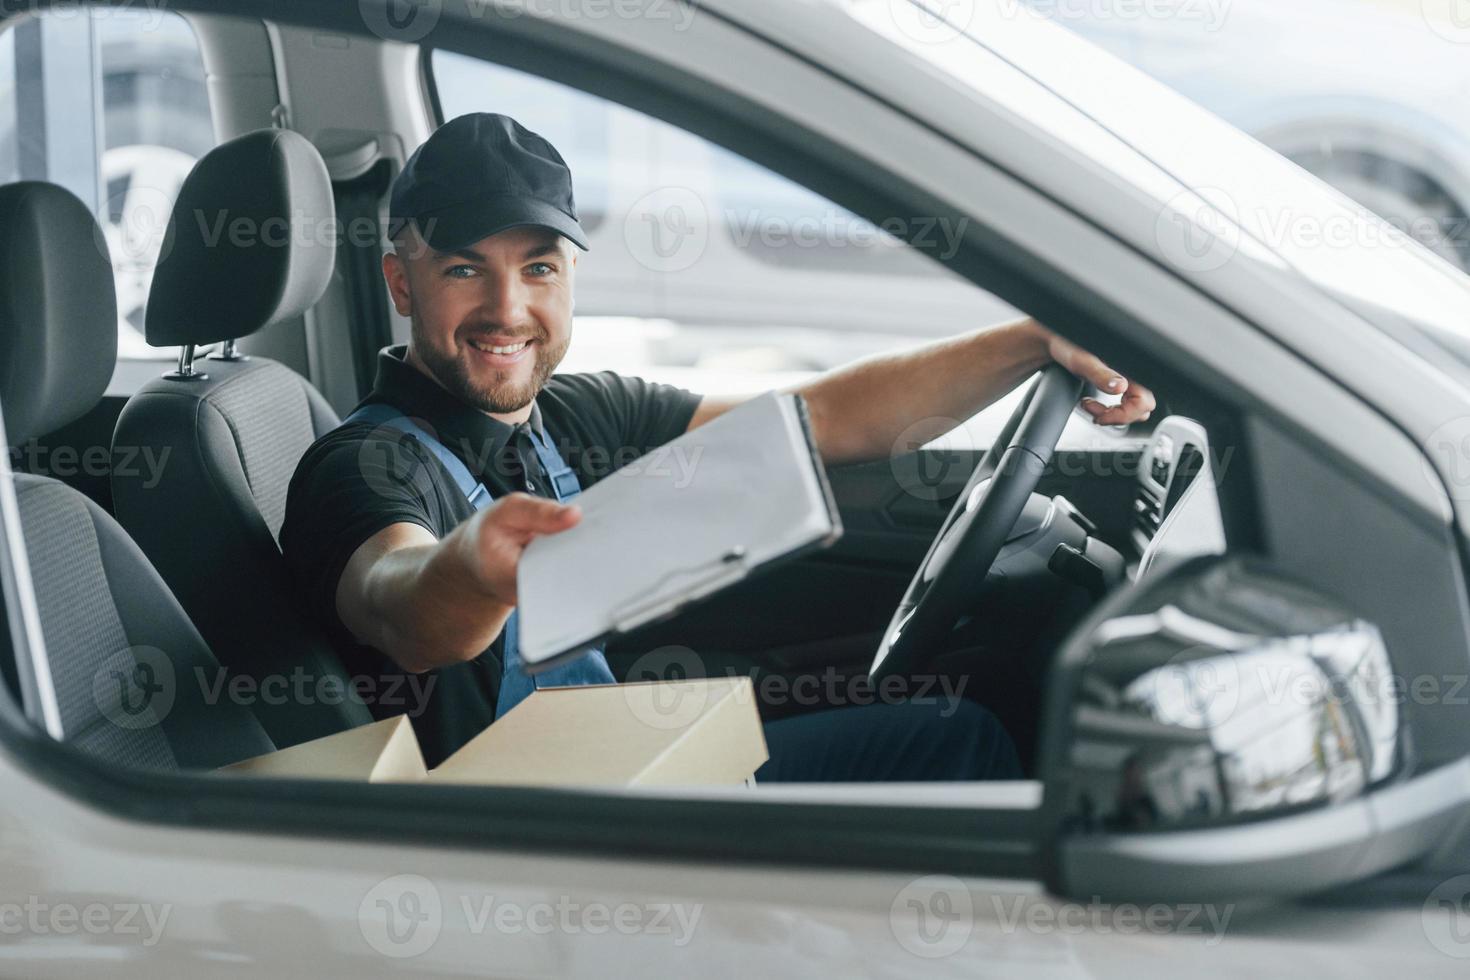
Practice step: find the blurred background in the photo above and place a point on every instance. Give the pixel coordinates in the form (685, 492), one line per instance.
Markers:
(710, 272)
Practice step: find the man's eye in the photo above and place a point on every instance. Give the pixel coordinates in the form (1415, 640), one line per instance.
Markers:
(541, 269)
(460, 271)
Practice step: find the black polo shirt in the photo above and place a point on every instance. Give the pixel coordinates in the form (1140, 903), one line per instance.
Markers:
(360, 478)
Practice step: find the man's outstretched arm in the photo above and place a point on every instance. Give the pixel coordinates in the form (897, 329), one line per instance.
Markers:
(860, 410)
(429, 603)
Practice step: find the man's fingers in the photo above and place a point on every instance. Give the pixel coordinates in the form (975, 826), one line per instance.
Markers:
(527, 515)
(1137, 402)
(504, 530)
(1121, 414)
(1140, 400)
(1117, 416)
(1137, 405)
(1087, 366)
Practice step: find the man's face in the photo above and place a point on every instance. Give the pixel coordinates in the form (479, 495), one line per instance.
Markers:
(490, 321)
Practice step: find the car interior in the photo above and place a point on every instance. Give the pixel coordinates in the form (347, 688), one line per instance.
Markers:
(257, 350)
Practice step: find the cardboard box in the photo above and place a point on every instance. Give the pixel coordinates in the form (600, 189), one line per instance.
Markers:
(692, 732)
(384, 752)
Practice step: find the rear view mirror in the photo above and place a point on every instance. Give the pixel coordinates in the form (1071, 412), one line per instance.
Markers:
(1223, 731)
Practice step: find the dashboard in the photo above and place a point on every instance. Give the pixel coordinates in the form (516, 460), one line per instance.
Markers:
(1176, 509)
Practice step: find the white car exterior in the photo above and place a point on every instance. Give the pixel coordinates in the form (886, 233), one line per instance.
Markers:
(1084, 165)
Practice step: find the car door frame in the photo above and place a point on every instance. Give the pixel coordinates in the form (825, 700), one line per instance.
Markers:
(1060, 262)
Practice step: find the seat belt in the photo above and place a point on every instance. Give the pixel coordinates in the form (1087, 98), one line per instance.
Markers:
(515, 684)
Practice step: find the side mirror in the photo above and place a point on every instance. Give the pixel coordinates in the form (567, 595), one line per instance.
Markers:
(1220, 732)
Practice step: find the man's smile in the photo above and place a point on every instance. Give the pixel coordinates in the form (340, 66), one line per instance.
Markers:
(500, 354)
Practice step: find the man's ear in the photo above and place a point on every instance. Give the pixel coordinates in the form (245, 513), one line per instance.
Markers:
(395, 274)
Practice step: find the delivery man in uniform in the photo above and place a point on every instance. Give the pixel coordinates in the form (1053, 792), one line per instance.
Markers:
(403, 526)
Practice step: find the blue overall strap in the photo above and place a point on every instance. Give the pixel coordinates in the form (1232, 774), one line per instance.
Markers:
(515, 684)
(590, 668)
(383, 414)
(564, 483)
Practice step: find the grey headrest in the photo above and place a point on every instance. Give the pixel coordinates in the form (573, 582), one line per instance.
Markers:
(58, 310)
(251, 241)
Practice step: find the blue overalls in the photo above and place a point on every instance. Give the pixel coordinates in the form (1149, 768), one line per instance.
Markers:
(515, 684)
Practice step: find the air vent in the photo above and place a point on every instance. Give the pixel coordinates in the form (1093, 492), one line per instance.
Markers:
(1191, 461)
(1147, 513)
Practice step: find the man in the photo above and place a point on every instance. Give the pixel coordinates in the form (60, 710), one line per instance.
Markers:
(390, 526)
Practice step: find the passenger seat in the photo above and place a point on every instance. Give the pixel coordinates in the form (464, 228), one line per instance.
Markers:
(132, 676)
(248, 245)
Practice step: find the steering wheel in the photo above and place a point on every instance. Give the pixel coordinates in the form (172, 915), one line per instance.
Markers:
(978, 525)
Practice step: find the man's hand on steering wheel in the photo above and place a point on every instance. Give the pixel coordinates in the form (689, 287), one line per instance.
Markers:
(1138, 401)
(986, 509)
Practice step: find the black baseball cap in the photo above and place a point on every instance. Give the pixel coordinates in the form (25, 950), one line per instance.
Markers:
(479, 174)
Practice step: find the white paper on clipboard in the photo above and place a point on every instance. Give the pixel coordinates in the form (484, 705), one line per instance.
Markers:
(688, 519)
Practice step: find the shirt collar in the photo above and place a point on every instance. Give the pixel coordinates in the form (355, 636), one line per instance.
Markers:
(468, 432)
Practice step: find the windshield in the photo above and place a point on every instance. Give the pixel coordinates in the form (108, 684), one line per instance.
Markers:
(1269, 203)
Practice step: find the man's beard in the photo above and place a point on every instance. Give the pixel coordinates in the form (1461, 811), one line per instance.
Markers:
(499, 396)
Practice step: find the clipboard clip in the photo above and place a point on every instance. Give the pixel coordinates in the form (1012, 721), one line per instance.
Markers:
(679, 588)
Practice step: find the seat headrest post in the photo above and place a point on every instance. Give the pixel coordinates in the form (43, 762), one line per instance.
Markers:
(185, 371)
(228, 352)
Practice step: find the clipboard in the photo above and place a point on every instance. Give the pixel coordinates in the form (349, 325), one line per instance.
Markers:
(742, 492)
